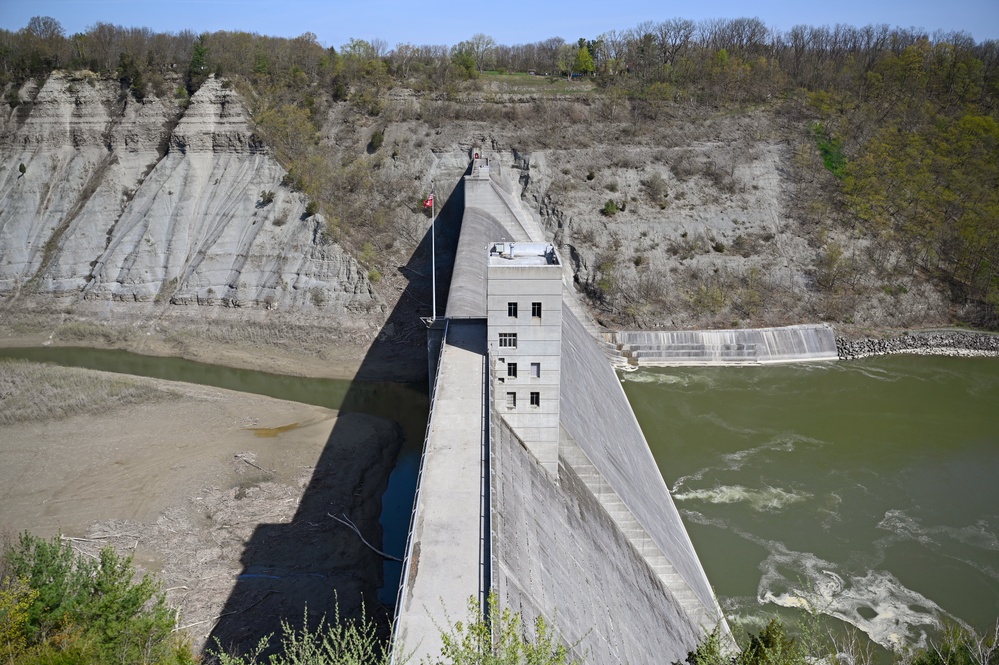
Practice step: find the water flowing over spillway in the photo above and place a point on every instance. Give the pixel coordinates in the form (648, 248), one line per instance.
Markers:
(864, 490)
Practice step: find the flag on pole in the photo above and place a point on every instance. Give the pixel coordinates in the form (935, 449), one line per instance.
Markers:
(430, 201)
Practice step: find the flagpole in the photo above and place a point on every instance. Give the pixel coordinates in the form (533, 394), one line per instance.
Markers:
(433, 250)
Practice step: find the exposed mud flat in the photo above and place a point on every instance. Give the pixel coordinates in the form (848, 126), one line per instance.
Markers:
(290, 343)
(224, 496)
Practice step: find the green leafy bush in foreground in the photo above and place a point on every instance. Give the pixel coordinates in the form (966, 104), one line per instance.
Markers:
(340, 642)
(495, 638)
(57, 607)
(499, 638)
(774, 646)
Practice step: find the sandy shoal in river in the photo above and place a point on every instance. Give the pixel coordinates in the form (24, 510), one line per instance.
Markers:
(185, 483)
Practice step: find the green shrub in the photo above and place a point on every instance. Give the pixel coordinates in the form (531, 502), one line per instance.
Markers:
(772, 646)
(16, 598)
(831, 149)
(368, 254)
(610, 208)
(88, 607)
(709, 298)
(339, 642)
(655, 187)
(266, 198)
(499, 638)
(960, 646)
(496, 638)
(708, 652)
(377, 139)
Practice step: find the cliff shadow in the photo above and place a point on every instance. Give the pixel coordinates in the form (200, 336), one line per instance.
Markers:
(317, 563)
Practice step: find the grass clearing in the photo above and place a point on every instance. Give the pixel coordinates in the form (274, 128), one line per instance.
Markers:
(31, 392)
(85, 331)
(537, 84)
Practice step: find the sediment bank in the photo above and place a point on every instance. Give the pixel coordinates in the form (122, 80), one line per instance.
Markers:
(188, 480)
(942, 343)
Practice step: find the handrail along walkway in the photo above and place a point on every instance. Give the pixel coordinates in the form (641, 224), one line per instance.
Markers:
(401, 597)
(485, 499)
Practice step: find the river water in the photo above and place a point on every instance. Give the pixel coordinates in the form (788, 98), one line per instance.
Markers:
(865, 490)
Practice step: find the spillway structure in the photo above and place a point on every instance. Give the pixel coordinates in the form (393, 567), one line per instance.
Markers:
(537, 485)
(747, 346)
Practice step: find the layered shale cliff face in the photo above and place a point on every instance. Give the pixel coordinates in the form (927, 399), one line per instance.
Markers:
(148, 202)
(710, 220)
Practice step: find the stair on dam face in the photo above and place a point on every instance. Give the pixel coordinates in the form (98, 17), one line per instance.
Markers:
(636, 535)
(513, 206)
(746, 346)
(733, 353)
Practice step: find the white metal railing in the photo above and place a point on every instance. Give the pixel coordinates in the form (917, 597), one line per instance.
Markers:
(485, 490)
(404, 577)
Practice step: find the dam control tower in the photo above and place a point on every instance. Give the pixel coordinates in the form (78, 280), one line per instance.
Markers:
(524, 317)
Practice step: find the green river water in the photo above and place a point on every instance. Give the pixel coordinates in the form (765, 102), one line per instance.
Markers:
(867, 489)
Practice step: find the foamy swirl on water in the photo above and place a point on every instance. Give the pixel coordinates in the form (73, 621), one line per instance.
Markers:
(767, 499)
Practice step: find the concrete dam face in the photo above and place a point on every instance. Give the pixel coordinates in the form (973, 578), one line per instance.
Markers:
(537, 484)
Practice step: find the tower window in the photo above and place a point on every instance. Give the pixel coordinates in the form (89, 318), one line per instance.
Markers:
(511, 370)
(508, 340)
(536, 310)
(535, 370)
(511, 400)
(511, 309)
(535, 399)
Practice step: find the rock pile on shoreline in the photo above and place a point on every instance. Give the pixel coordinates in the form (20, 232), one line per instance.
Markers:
(931, 343)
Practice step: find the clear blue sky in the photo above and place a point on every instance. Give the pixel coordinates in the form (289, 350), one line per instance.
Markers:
(508, 22)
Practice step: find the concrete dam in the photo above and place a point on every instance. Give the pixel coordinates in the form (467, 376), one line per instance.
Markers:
(536, 482)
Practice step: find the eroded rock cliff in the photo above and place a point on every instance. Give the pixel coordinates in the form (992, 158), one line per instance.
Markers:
(151, 202)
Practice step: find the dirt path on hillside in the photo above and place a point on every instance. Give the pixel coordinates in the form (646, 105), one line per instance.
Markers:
(188, 485)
